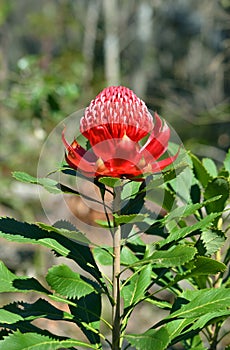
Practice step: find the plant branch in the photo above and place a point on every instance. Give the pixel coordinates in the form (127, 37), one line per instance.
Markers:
(116, 271)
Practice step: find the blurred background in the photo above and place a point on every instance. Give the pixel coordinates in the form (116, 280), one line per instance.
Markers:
(56, 55)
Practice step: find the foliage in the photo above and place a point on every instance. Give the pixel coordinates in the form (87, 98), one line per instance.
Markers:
(188, 245)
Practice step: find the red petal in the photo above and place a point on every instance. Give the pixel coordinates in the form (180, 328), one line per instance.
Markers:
(156, 167)
(77, 156)
(156, 146)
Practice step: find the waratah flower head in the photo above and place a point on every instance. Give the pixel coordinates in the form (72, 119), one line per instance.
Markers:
(114, 123)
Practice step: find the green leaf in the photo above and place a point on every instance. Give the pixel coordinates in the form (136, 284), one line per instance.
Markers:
(201, 266)
(157, 339)
(104, 255)
(131, 218)
(110, 181)
(179, 233)
(6, 279)
(9, 317)
(176, 256)
(40, 308)
(49, 184)
(200, 171)
(202, 302)
(204, 319)
(207, 266)
(67, 283)
(87, 315)
(175, 327)
(130, 189)
(71, 234)
(17, 231)
(210, 166)
(34, 341)
(227, 162)
(218, 186)
(134, 290)
(212, 241)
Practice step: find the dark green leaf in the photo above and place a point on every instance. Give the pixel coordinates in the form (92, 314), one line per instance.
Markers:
(218, 186)
(40, 308)
(29, 233)
(200, 171)
(195, 193)
(87, 316)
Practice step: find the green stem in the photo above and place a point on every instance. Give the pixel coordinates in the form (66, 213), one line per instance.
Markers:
(116, 314)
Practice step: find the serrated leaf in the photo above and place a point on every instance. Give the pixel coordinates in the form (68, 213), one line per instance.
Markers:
(176, 256)
(127, 256)
(135, 289)
(110, 181)
(130, 189)
(175, 327)
(17, 231)
(49, 184)
(200, 171)
(34, 341)
(157, 338)
(201, 266)
(9, 317)
(218, 186)
(202, 302)
(179, 233)
(204, 319)
(210, 166)
(72, 234)
(87, 315)
(212, 241)
(6, 279)
(67, 283)
(166, 176)
(104, 255)
(181, 185)
(40, 308)
(131, 218)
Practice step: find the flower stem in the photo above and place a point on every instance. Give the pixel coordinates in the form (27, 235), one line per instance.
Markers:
(116, 272)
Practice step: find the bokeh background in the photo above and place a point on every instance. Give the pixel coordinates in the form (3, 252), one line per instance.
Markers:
(56, 55)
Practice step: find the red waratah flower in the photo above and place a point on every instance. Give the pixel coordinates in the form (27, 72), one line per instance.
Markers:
(114, 123)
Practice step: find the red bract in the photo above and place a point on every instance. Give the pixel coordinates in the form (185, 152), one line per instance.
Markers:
(114, 123)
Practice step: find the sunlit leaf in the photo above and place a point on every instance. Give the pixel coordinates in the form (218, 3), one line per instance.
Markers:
(202, 302)
(34, 341)
(158, 339)
(210, 166)
(9, 317)
(68, 283)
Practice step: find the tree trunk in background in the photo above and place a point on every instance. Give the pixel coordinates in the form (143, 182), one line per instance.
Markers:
(143, 37)
(111, 43)
(89, 39)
